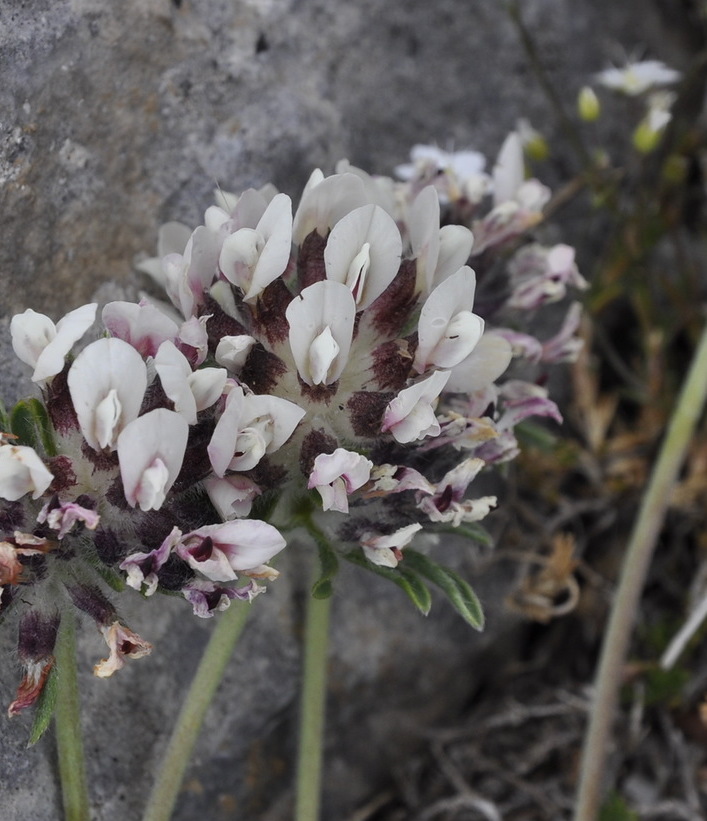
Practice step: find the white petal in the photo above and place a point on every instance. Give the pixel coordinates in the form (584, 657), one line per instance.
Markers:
(324, 304)
(103, 366)
(22, 471)
(275, 226)
(322, 353)
(509, 171)
(206, 385)
(144, 326)
(31, 333)
(410, 415)
(325, 202)
(223, 440)
(455, 244)
(368, 229)
(232, 351)
(285, 416)
(447, 329)
(489, 359)
(150, 451)
(423, 227)
(174, 371)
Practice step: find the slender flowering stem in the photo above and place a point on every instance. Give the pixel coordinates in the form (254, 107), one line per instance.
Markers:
(638, 556)
(312, 708)
(69, 742)
(186, 731)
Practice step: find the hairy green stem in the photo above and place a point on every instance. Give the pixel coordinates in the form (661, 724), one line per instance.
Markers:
(636, 563)
(212, 666)
(67, 724)
(312, 708)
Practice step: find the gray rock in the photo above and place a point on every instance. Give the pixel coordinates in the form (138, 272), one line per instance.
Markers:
(119, 116)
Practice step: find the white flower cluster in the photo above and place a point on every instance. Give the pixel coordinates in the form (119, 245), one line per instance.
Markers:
(333, 365)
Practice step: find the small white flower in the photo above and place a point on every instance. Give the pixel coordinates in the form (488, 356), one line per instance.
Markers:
(107, 382)
(321, 321)
(40, 343)
(386, 550)
(635, 78)
(22, 471)
(336, 475)
(151, 451)
(411, 415)
(191, 391)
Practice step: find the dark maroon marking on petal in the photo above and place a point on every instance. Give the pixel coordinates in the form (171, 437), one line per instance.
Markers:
(62, 468)
(109, 547)
(220, 324)
(101, 460)
(392, 362)
(91, 600)
(445, 499)
(59, 404)
(268, 475)
(115, 495)
(12, 517)
(195, 465)
(204, 551)
(175, 573)
(262, 370)
(394, 306)
(155, 397)
(269, 315)
(37, 635)
(318, 393)
(310, 261)
(366, 411)
(314, 443)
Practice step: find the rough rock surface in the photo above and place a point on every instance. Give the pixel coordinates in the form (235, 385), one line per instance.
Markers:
(119, 116)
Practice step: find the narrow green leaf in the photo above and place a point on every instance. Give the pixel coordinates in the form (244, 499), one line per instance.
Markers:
(4, 419)
(471, 530)
(535, 435)
(456, 589)
(45, 708)
(30, 422)
(409, 581)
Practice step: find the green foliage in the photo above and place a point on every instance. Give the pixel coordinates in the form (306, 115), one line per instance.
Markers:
(4, 419)
(616, 809)
(30, 423)
(322, 587)
(459, 592)
(407, 580)
(45, 708)
(665, 687)
(472, 531)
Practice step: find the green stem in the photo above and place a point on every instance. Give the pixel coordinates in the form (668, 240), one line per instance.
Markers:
(636, 563)
(191, 717)
(67, 718)
(313, 701)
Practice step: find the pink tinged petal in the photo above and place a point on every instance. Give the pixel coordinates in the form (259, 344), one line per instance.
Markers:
(410, 416)
(423, 227)
(218, 551)
(232, 496)
(324, 202)
(385, 550)
(565, 345)
(395, 479)
(337, 474)
(122, 643)
(320, 318)
(447, 330)
(38, 343)
(143, 326)
(232, 351)
(150, 452)
(193, 340)
(489, 359)
(521, 344)
(21, 472)
(142, 568)
(206, 597)
(509, 171)
(32, 684)
(107, 382)
(363, 252)
(64, 517)
(10, 564)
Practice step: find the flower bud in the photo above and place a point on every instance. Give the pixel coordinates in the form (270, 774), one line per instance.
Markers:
(588, 105)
